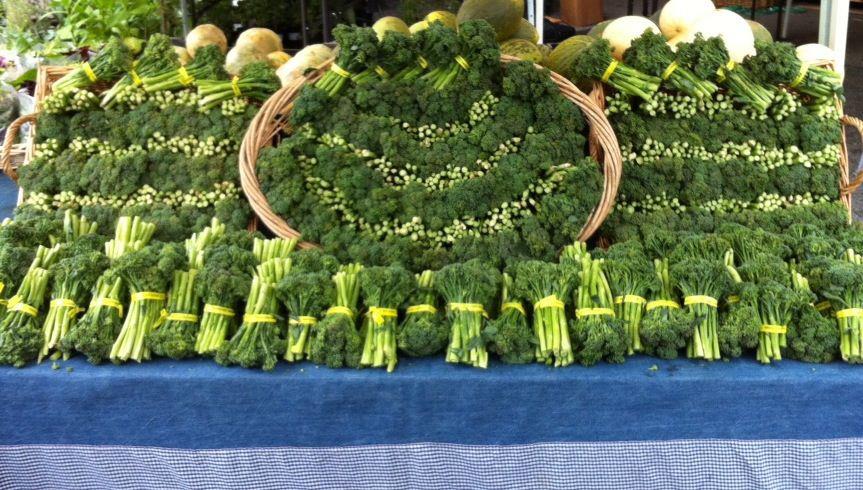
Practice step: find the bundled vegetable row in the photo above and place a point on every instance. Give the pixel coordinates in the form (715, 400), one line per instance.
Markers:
(710, 296)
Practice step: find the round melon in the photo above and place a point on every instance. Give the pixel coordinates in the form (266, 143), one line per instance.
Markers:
(262, 40)
(760, 32)
(597, 30)
(522, 49)
(503, 15)
(526, 30)
(205, 35)
(240, 56)
(278, 58)
(390, 23)
(182, 55)
(446, 18)
(418, 26)
(563, 55)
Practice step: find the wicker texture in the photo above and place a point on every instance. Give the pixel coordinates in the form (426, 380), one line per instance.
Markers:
(272, 120)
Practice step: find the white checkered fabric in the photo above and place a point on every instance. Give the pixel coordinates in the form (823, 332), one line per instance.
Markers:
(684, 464)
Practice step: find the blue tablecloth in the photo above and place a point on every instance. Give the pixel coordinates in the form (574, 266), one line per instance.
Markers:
(197, 404)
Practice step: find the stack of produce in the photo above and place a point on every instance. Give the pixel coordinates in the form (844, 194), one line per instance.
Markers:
(161, 142)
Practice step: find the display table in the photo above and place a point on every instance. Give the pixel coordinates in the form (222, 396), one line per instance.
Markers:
(720, 425)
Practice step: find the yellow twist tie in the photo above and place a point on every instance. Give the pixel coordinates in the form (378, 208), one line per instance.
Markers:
(380, 71)
(823, 306)
(630, 298)
(182, 317)
(701, 300)
(148, 296)
(88, 70)
(514, 305)
(235, 86)
(583, 312)
(14, 300)
(462, 62)
(185, 78)
(804, 69)
(671, 69)
(2, 287)
(609, 71)
(108, 302)
(850, 313)
(253, 318)
(67, 303)
(662, 303)
(468, 308)
(732, 299)
(338, 70)
(219, 310)
(424, 63)
(424, 308)
(551, 301)
(24, 308)
(379, 314)
(341, 310)
(768, 328)
(136, 80)
(303, 320)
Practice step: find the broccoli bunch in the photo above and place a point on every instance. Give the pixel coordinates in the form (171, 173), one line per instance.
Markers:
(208, 64)
(257, 343)
(652, 55)
(777, 63)
(468, 289)
(595, 63)
(257, 81)
(358, 47)
(396, 52)
(841, 282)
(665, 328)
(222, 283)
(337, 342)
(113, 60)
(814, 337)
(702, 280)
(305, 294)
(384, 290)
(630, 275)
(158, 56)
(510, 336)
(423, 331)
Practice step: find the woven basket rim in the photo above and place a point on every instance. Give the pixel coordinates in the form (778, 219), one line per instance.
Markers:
(273, 116)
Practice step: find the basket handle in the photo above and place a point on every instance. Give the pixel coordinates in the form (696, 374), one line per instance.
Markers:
(11, 135)
(852, 186)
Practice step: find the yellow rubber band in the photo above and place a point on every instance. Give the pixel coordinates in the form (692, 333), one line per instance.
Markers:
(341, 310)
(2, 287)
(219, 310)
(379, 314)
(609, 71)
(108, 302)
(253, 318)
(136, 80)
(630, 298)
(303, 320)
(235, 86)
(583, 312)
(514, 305)
(551, 301)
(662, 303)
(380, 71)
(185, 78)
(671, 69)
(88, 70)
(700, 300)
(14, 300)
(182, 317)
(823, 306)
(732, 299)
(721, 72)
(468, 308)
(850, 313)
(768, 328)
(148, 296)
(424, 63)
(64, 303)
(338, 70)
(804, 69)
(24, 308)
(462, 62)
(424, 308)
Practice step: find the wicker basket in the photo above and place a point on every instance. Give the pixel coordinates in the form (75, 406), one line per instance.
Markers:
(847, 184)
(272, 120)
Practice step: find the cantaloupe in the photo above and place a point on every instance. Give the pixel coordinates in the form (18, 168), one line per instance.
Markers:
(563, 55)
(418, 26)
(503, 15)
(526, 30)
(390, 23)
(241, 55)
(262, 40)
(204, 35)
(446, 18)
(522, 49)
(278, 58)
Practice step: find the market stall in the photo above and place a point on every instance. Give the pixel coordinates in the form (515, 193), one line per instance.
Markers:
(441, 255)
